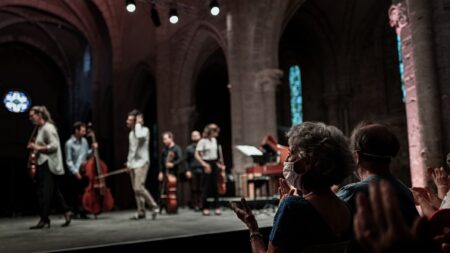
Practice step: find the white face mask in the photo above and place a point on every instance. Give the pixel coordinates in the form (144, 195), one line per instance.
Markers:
(292, 177)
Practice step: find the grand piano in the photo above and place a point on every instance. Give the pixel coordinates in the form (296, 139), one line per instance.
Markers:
(267, 167)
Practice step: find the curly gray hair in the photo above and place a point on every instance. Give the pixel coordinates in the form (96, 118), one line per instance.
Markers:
(324, 147)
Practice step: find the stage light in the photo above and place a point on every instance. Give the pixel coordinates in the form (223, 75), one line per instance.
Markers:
(214, 7)
(173, 16)
(155, 16)
(130, 5)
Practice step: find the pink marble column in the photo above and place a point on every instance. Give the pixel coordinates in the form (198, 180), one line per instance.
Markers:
(411, 20)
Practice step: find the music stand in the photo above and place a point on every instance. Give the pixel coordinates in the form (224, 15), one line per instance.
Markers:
(258, 157)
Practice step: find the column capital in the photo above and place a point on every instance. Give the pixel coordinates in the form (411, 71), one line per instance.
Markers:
(398, 16)
(268, 79)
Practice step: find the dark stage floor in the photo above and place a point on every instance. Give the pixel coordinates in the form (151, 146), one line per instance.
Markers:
(115, 228)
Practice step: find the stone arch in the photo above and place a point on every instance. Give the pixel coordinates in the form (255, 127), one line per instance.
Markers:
(66, 12)
(205, 39)
(59, 57)
(267, 34)
(199, 42)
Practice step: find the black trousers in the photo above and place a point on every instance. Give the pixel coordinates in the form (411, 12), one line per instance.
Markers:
(47, 191)
(210, 186)
(197, 188)
(76, 191)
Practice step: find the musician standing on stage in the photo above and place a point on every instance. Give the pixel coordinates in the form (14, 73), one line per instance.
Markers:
(49, 166)
(77, 153)
(138, 162)
(207, 153)
(170, 164)
(194, 172)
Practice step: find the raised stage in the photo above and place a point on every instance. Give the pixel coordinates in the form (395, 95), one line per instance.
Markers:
(114, 231)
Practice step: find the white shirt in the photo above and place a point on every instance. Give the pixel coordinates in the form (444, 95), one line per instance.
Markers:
(207, 149)
(138, 149)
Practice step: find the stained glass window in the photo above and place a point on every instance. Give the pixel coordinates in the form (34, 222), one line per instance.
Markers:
(401, 67)
(295, 84)
(16, 101)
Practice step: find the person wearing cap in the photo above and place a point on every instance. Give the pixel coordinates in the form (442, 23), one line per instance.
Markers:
(373, 146)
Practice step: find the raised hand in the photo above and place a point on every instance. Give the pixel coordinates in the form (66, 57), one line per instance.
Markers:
(284, 189)
(440, 179)
(245, 215)
(380, 228)
(422, 197)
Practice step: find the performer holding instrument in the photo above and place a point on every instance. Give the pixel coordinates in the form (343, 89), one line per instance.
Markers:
(97, 197)
(207, 153)
(77, 152)
(171, 158)
(49, 165)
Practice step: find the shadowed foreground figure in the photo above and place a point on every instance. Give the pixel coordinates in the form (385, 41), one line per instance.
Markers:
(380, 227)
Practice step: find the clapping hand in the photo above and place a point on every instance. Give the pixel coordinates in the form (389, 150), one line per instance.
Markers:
(380, 227)
(284, 189)
(245, 215)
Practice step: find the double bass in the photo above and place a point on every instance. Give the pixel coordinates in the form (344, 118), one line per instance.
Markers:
(169, 188)
(97, 197)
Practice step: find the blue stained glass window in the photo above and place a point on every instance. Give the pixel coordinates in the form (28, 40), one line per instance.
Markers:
(16, 101)
(401, 67)
(295, 84)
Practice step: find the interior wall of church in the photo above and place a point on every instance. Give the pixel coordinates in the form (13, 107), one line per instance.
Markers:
(347, 51)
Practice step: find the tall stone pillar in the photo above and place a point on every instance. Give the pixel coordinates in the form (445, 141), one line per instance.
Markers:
(412, 21)
(267, 81)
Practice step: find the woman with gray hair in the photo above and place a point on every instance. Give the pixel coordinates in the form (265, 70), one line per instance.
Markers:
(319, 158)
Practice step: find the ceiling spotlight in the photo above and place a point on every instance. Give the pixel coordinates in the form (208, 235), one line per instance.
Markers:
(173, 16)
(155, 16)
(214, 7)
(130, 5)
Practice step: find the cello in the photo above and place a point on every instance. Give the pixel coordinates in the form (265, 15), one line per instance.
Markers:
(97, 197)
(169, 188)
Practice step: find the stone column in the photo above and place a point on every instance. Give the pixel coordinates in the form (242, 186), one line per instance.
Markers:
(412, 21)
(267, 81)
(181, 124)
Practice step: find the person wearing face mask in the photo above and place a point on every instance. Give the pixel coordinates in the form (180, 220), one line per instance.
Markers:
(319, 158)
(289, 172)
(373, 146)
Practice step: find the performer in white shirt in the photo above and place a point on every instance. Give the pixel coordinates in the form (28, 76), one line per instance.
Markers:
(139, 161)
